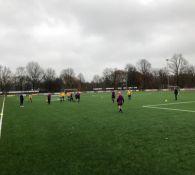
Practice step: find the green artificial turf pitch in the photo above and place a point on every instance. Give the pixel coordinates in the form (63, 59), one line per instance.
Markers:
(92, 138)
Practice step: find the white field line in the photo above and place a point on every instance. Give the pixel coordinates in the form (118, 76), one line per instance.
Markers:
(1, 115)
(165, 104)
(158, 106)
(169, 109)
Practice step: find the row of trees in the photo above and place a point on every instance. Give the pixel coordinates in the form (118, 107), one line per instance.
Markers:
(178, 72)
(34, 77)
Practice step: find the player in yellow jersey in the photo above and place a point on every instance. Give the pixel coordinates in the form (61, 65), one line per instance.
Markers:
(30, 98)
(129, 94)
(62, 95)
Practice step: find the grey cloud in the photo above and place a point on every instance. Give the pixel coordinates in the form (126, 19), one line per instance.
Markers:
(90, 35)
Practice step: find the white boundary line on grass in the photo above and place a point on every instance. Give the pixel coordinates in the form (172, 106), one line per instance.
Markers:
(165, 104)
(1, 119)
(170, 109)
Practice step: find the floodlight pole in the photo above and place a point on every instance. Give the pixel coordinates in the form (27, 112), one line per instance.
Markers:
(167, 60)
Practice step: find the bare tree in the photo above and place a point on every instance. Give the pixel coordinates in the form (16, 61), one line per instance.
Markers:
(108, 77)
(142, 76)
(20, 76)
(35, 73)
(81, 78)
(49, 79)
(177, 65)
(68, 77)
(130, 67)
(132, 75)
(187, 77)
(96, 79)
(5, 78)
(49, 74)
(163, 77)
(120, 78)
(190, 70)
(144, 68)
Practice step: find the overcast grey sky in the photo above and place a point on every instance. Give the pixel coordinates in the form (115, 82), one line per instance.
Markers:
(90, 35)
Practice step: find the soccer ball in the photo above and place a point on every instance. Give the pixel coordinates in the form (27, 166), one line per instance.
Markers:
(166, 100)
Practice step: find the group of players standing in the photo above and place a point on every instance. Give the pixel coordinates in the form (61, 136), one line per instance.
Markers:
(120, 99)
(62, 95)
(77, 95)
(69, 96)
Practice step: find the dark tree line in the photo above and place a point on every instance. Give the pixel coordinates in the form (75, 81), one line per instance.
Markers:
(178, 72)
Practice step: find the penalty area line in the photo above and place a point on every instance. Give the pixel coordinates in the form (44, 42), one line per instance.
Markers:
(1, 118)
(169, 109)
(166, 104)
